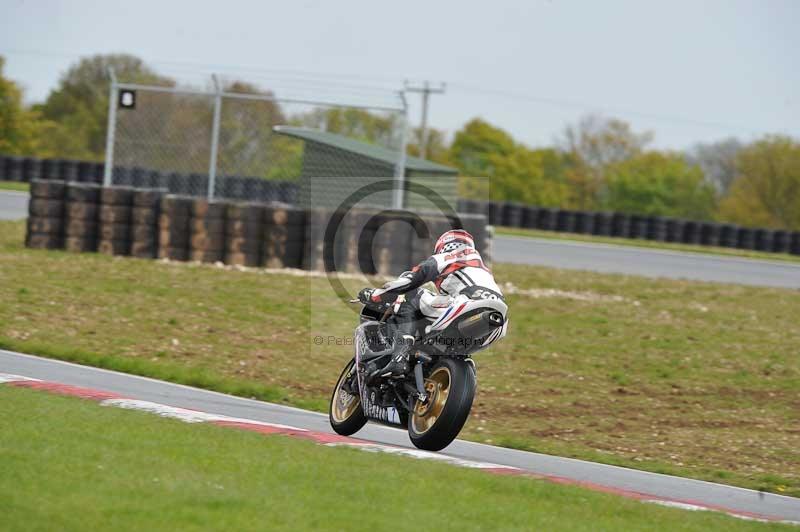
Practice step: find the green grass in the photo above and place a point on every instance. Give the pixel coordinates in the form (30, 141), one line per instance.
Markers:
(69, 464)
(14, 185)
(693, 379)
(652, 244)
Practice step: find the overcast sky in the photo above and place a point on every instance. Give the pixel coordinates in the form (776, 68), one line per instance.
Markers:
(687, 70)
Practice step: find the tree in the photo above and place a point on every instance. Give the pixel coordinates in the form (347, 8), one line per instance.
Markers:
(359, 124)
(79, 104)
(767, 190)
(660, 184)
(515, 171)
(718, 162)
(593, 144)
(477, 145)
(248, 145)
(438, 150)
(20, 129)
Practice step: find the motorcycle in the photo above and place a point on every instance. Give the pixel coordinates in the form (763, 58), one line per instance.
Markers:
(434, 398)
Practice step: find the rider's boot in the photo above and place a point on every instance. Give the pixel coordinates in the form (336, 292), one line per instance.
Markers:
(399, 366)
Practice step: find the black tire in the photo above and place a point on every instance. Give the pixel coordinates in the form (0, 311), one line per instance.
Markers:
(354, 420)
(453, 415)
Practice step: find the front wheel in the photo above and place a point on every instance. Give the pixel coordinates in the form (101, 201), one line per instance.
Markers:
(345, 413)
(451, 388)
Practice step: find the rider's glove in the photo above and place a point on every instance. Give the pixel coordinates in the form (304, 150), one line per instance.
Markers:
(365, 295)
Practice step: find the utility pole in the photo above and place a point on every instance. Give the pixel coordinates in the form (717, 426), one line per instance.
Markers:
(426, 90)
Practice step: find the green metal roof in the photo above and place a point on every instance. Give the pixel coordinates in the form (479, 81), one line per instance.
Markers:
(362, 148)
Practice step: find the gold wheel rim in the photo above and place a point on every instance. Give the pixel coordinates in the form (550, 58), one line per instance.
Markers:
(344, 404)
(437, 386)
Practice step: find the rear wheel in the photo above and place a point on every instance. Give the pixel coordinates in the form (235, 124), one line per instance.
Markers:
(450, 387)
(345, 413)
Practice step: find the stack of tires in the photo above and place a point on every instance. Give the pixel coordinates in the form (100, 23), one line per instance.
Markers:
(393, 240)
(709, 234)
(547, 220)
(602, 224)
(780, 242)
(144, 223)
(31, 169)
(745, 238)
(116, 205)
(656, 228)
(243, 234)
(284, 238)
(81, 217)
(11, 169)
(173, 227)
(620, 224)
(422, 248)
(207, 231)
(794, 243)
(584, 222)
(46, 215)
(727, 235)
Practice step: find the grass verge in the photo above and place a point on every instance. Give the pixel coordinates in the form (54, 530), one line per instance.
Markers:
(651, 244)
(693, 379)
(14, 185)
(69, 464)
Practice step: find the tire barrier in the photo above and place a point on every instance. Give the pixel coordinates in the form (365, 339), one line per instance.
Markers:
(620, 224)
(284, 237)
(243, 234)
(207, 224)
(780, 242)
(149, 223)
(637, 226)
(794, 244)
(530, 217)
(709, 234)
(511, 215)
(565, 221)
(144, 223)
(546, 220)
(31, 169)
(583, 222)
(762, 239)
(656, 228)
(691, 233)
(674, 230)
(173, 227)
(46, 215)
(728, 235)
(391, 248)
(602, 224)
(114, 218)
(13, 169)
(745, 239)
(81, 216)
(255, 189)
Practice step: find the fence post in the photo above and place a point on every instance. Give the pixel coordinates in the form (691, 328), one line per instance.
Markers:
(400, 165)
(112, 125)
(212, 164)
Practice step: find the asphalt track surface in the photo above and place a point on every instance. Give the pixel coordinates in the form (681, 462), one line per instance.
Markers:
(13, 205)
(664, 486)
(631, 260)
(604, 258)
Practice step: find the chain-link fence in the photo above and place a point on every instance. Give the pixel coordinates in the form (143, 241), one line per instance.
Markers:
(233, 140)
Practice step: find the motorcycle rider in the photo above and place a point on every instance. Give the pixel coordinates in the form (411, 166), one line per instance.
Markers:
(455, 267)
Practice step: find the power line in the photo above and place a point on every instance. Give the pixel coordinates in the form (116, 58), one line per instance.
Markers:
(426, 90)
(584, 106)
(327, 79)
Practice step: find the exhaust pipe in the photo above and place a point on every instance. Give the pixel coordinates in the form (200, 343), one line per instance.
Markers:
(479, 325)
